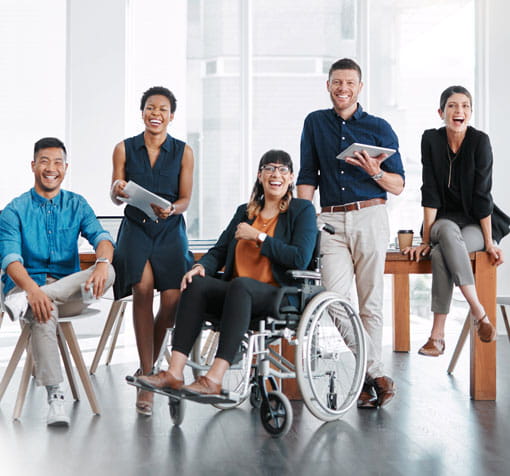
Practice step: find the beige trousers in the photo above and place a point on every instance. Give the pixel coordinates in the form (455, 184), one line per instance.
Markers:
(66, 294)
(357, 252)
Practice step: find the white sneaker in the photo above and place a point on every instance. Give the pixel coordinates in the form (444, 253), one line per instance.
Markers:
(16, 305)
(56, 413)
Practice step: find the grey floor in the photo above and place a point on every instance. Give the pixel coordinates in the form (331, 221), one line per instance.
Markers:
(431, 428)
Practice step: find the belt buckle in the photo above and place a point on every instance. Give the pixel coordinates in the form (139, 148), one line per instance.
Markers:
(358, 205)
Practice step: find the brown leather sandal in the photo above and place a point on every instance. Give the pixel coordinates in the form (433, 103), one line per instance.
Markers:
(433, 348)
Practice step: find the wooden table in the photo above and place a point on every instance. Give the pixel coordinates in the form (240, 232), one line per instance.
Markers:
(483, 356)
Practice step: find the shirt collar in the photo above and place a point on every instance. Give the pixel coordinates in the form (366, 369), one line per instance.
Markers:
(41, 201)
(356, 116)
(140, 143)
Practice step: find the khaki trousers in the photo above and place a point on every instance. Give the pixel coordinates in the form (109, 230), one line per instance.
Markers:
(66, 294)
(357, 251)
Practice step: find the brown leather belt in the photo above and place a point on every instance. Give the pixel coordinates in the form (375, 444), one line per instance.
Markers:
(349, 207)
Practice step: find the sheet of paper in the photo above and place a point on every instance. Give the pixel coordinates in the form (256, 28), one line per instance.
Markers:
(141, 198)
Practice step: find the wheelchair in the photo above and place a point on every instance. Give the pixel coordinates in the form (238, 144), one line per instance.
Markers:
(330, 357)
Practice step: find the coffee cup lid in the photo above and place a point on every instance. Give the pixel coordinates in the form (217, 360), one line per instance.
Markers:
(405, 231)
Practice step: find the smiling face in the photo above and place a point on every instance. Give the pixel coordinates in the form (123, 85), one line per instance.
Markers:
(344, 87)
(457, 112)
(49, 167)
(156, 114)
(275, 179)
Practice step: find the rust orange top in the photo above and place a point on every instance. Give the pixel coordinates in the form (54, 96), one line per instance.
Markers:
(249, 262)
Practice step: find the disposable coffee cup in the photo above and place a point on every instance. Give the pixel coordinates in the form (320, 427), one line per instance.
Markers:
(405, 238)
(87, 296)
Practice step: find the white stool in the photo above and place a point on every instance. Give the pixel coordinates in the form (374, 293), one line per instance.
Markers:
(502, 301)
(67, 341)
(115, 318)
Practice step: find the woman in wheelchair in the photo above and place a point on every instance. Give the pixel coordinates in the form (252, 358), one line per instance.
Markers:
(271, 234)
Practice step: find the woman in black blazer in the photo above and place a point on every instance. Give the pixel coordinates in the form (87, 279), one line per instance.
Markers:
(266, 237)
(459, 215)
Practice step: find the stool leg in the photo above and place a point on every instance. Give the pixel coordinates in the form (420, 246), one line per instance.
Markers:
(23, 386)
(110, 321)
(66, 358)
(21, 345)
(163, 351)
(113, 342)
(505, 319)
(460, 344)
(74, 348)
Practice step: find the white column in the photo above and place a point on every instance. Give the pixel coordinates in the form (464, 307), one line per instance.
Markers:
(498, 94)
(247, 167)
(96, 95)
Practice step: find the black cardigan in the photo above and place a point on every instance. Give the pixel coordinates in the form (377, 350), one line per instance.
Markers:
(291, 247)
(475, 181)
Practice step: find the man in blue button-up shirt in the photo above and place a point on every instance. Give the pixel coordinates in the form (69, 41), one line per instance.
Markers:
(39, 233)
(353, 193)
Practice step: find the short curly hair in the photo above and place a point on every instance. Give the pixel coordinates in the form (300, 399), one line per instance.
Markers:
(159, 90)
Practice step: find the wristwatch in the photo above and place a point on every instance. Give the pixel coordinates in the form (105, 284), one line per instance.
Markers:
(260, 238)
(377, 176)
(102, 259)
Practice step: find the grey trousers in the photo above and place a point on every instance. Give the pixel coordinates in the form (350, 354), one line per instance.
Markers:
(66, 295)
(357, 253)
(451, 265)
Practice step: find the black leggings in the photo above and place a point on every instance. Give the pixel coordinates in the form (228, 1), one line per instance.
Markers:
(234, 303)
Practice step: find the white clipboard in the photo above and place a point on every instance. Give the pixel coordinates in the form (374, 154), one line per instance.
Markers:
(141, 198)
(373, 151)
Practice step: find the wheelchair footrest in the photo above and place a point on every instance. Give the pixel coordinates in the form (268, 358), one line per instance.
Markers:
(224, 397)
(229, 397)
(167, 392)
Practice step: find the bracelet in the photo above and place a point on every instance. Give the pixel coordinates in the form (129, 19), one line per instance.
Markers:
(112, 196)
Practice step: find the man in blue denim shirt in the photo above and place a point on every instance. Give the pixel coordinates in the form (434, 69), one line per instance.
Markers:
(39, 233)
(353, 193)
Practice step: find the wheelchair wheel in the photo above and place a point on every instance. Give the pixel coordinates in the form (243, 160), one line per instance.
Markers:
(177, 409)
(330, 356)
(203, 352)
(276, 414)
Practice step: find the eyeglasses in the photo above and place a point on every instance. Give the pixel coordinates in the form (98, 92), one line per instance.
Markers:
(283, 169)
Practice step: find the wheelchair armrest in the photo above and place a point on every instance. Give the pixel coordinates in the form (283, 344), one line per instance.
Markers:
(304, 274)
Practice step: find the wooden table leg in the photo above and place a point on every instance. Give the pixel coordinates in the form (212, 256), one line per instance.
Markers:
(290, 386)
(483, 355)
(401, 312)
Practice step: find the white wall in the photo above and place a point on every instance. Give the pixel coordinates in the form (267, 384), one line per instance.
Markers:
(498, 37)
(32, 86)
(114, 55)
(96, 94)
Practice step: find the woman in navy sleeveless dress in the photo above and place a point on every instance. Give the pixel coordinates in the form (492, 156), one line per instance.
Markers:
(152, 255)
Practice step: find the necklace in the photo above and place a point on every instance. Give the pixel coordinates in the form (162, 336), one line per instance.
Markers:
(266, 223)
(451, 157)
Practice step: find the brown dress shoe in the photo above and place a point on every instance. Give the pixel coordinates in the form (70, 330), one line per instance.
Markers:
(385, 390)
(367, 397)
(203, 386)
(433, 347)
(161, 380)
(485, 330)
